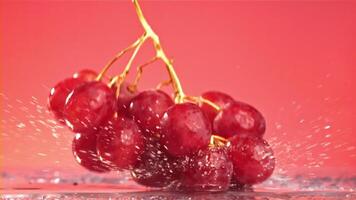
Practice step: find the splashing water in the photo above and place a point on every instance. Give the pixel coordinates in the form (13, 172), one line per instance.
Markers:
(37, 154)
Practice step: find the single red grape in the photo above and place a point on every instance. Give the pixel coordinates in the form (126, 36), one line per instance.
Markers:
(59, 94)
(85, 153)
(155, 167)
(208, 170)
(218, 98)
(252, 158)
(124, 99)
(120, 142)
(239, 118)
(148, 107)
(87, 75)
(185, 129)
(88, 106)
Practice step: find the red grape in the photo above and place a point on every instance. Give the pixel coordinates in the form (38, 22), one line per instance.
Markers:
(219, 98)
(59, 94)
(155, 167)
(208, 170)
(120, 143)
(87, 75)
(252, 158)
(185, 129)
(148, 107)
(124, 99)
(88, 106)
(239, 118)
(84, 151)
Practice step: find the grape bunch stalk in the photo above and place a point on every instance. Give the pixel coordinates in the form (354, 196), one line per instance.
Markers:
(180, 142)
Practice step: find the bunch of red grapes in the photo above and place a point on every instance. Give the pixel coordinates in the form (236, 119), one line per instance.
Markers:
(191, 146)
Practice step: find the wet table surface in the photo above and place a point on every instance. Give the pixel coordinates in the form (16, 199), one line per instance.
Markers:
(298, 195)
(50, 185)
(131, 191)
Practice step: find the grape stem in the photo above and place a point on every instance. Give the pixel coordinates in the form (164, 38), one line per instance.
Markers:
(118, 80)
(133, 86)
(179, 94)
(164, 83)
(116, 57)
(216, 140)
(160, 54)
(201, 100)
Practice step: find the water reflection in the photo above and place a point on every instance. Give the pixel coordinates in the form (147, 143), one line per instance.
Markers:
(160, 195)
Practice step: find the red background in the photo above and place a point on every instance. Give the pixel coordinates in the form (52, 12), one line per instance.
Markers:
(294, 61)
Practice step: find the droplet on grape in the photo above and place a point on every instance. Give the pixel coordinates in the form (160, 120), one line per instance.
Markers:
(185, 129)
(218, 98)
(58, 96)
(88, 106)
(85, 153)
(120, 142)
(252, 158)
(155, 167)
(148, 107)
(208, 170)
(239, 119)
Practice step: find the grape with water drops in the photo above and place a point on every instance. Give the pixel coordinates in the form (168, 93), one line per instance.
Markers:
(88, 106)
(124, 99)
(156, 168)
(59, 94)
(252, 158)
(85, 152)
(148, 107)
(120, 142)
(209, 169)
(239, 118)
(219, 98)
(185, 129)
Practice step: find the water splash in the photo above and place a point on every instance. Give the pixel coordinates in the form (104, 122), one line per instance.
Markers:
(34, 140)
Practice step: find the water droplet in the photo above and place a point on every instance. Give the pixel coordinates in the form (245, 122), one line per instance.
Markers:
(327, 127)
(42, 154)
(21, 125)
